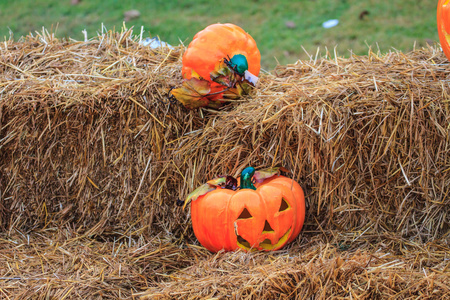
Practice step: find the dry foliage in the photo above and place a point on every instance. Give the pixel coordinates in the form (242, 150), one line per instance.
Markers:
(93, 156)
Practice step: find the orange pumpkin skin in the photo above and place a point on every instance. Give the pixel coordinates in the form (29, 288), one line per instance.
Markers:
(214, 43)
(443, 25)
(217, 217)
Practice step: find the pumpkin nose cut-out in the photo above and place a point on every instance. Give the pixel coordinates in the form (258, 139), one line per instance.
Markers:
(267, 227)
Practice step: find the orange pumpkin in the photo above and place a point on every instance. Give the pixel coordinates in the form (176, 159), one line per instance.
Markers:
(443, 25)
(266, 218)
(215, 43)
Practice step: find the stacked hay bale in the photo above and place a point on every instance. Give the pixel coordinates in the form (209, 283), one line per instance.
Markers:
(93, 156)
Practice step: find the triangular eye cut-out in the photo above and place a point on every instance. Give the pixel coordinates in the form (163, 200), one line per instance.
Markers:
(245, 214)
(284, 205)
(267, 227)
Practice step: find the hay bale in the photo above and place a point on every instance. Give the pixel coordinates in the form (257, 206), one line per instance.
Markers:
(319, 271)
(60, 263)
(93, 157)
(88, 137)
(80, 125)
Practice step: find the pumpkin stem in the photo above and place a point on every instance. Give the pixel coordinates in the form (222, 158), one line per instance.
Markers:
(239, 63)
(246, 178)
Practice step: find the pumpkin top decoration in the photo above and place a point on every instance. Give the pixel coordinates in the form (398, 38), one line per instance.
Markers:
(443, 25)
(221, 62)
(265, 212)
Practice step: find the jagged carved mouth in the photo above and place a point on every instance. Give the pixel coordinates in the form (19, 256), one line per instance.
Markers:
(265, 245)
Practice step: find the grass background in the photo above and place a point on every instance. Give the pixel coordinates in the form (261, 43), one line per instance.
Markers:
(393, 24)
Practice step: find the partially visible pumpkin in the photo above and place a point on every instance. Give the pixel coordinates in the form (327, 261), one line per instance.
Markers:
(443, 25)
(215, 43)
(265, 219)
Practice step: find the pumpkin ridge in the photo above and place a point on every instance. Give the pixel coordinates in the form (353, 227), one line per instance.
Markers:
(227, 216)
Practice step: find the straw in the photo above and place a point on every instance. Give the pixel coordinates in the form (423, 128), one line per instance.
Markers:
(93, 157)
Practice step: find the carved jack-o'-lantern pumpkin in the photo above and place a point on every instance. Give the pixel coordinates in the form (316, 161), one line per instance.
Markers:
(263, 216)
(443, 25)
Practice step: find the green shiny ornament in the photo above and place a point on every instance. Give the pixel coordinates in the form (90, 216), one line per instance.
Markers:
(239, 63)
(246, 178)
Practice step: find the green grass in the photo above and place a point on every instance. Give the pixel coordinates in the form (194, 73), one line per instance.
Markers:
(390, 24)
